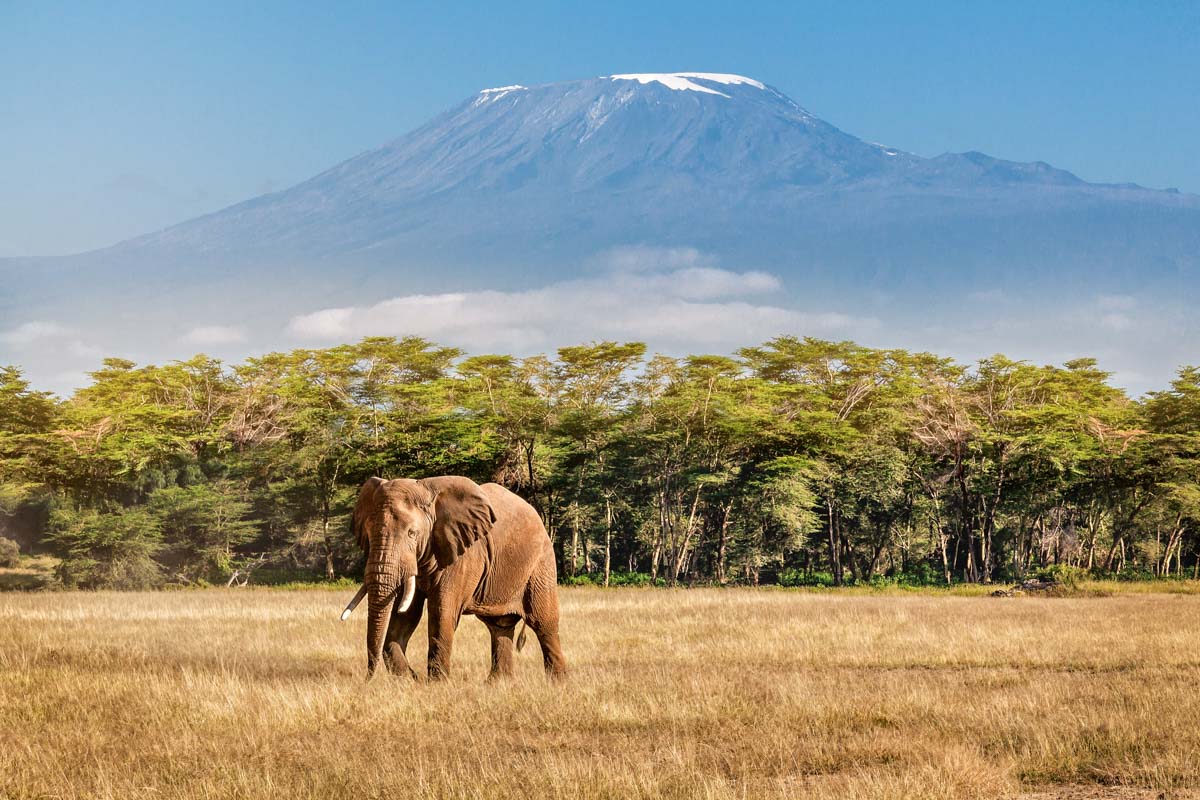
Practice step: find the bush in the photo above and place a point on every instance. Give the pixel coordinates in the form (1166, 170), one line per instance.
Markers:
(615, 578)
(799, 577)
(629, 579)
(108, 550)
(1134, 575)
(1063, 575)
(921, 574)
(10, 553)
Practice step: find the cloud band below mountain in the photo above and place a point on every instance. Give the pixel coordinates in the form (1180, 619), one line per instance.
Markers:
(690, 307)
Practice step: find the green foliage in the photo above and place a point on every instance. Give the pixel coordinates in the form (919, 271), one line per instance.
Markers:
(799, 577)
(616, 578)
(1063, 574)
(113, 550)
(921, 574)
(201, 525)
(802, 461)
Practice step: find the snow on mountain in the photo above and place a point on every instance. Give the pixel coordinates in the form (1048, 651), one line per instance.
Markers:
(680, 81)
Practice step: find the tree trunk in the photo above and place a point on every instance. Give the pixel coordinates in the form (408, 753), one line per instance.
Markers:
(575, 544)
(325, 537)
(721, 542)
(835, 560)
(608, 520)
(989, 522)
(966, 529)
(681, 549)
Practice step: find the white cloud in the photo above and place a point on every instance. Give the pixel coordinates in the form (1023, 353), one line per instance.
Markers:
(690, 307)
(214, 335)
(30, 332)
(1142, 340)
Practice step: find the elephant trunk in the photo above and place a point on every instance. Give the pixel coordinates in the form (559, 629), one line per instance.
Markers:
(380, 610)
(382, 580)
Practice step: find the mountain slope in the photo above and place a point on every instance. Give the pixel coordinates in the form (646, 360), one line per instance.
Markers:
(528, 182)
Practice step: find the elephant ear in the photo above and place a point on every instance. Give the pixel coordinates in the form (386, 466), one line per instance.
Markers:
(461, 516)
(363, 508)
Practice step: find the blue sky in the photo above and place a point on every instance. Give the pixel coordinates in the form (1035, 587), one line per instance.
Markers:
(119, 118)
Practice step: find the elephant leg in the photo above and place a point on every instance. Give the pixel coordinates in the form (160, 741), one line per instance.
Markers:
(541, 614)
(443, 620)
(552, 654)
(399, 631)
(502, 630)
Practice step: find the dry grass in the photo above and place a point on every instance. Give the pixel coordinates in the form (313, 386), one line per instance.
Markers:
(33, 573)
(702, 693)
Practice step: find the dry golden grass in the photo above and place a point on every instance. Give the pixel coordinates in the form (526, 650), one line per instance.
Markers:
(700, 693)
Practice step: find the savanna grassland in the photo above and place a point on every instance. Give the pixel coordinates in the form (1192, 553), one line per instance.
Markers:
(675, 693)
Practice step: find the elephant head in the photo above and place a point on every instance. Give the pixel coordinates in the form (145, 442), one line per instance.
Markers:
(410, 528)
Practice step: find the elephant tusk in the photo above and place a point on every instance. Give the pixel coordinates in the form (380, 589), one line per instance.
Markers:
(353, 604)
(410, 588)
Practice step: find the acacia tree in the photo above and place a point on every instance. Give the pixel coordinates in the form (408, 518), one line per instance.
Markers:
(592, 383)
(829, 456)
(846, 407)
(110, 550)
(339, 414)
(202, 526)
(502, 392)
(27, 418)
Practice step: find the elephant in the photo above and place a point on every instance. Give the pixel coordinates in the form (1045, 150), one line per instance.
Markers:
(466, 549)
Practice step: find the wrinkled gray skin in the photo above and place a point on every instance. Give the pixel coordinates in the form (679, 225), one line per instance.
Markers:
(464, 549)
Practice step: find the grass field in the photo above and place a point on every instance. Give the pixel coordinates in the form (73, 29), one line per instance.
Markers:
(690, 693)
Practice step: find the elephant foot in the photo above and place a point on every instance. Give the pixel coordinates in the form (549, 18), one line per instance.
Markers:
(396, 661)
(500, 675)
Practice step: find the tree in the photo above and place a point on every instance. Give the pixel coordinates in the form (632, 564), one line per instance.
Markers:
(801, 454)
(591, 387)
(202, 526)
(26, 420)
(113, 550)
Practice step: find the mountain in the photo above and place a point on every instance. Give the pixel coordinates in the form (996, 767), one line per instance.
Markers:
(523, 183)
(518, 188)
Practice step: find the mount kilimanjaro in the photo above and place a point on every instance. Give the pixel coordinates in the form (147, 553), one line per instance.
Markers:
(519, 184)
(524, 204)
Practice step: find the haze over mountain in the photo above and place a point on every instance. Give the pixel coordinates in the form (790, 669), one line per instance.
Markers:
(657, 206)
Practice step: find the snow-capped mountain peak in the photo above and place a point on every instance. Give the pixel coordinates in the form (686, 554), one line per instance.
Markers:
(520, 181)
(686, 81)
(492, 95)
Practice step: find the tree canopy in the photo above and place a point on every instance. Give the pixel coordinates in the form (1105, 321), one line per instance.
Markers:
(800, 460)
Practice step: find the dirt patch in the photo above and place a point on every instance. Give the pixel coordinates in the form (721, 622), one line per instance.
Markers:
(1106, 793)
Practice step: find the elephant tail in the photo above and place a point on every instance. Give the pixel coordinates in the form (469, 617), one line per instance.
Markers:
(521, 636)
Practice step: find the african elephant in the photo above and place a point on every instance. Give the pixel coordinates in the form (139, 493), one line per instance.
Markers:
(467, 549)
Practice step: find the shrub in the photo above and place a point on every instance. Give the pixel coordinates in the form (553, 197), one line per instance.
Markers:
(921, 574)
(629, 579)
(799, 577)
(108, 550)
(10, 553)
(1063, 575)
(615, 578)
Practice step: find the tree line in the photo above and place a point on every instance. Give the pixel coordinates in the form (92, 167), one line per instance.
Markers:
(800, 461)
